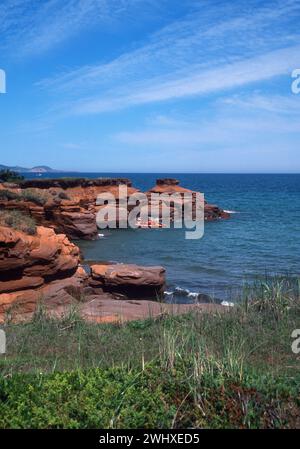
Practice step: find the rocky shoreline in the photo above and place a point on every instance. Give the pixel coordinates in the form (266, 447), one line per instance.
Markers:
(42, 266)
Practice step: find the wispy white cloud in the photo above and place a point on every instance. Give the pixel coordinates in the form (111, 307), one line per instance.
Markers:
(218, 131)
(33, 26)
(236, 121)
(216, 33)
(245, 50)
(269, 103)
(199, 82)
(221, 46)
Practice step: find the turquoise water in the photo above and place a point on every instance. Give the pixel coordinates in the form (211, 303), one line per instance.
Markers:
(262, 237)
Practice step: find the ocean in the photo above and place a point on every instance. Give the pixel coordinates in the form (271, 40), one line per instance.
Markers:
(261, 237)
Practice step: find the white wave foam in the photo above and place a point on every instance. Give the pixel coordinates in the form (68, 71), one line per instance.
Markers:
(227, 304)
(193, 295)
(166, 293)
(184, 292)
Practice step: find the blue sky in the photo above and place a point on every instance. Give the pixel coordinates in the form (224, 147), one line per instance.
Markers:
(150, 85)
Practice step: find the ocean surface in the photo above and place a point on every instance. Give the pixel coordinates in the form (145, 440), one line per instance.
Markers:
(261, 237)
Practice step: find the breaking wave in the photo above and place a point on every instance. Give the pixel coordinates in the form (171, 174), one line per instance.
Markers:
(184, 295)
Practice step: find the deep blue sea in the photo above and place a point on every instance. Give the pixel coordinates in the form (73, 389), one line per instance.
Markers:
(263, 236)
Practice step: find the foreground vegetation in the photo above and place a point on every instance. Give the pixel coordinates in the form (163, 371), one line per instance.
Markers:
(227, 369)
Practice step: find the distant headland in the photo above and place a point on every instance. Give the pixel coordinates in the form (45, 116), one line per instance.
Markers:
(37, 169)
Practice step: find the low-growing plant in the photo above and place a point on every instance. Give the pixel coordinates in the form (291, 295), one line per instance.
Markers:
(18, 220)
(121, 397)
(35, 196)
(8, 195)
(63, 196)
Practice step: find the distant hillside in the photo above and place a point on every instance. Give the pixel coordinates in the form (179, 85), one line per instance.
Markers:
(37, 169)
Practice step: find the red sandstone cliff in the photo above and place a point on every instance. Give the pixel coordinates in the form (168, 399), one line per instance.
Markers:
(29, 261)
(69, 205)
(45, 268)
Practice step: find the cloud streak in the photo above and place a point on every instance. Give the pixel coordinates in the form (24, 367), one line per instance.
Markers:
(220, 46)
(32, 27)
(201, 82)
(218, 131)
(213, 35)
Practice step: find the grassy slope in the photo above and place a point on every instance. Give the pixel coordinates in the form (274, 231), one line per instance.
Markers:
(233, 369)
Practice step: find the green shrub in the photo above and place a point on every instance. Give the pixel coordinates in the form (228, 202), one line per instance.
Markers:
(8, 195)
(35, 196)
(18, 220)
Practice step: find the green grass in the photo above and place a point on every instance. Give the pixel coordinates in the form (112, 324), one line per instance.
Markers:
(232, 369)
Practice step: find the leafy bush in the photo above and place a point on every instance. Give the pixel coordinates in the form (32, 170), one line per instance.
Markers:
(18, 220)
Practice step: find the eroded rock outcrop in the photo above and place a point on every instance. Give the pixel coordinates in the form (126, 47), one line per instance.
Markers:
(44, 268)
(66, 205)
(56, 297)
(29, 261)
(128, 279)
(30, 265)
(171, 186)
(76, 220)
(70, 206)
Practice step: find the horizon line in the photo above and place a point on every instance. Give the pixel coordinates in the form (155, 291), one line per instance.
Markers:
(167, 172)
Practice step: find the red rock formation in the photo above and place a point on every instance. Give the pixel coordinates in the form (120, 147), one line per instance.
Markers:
(45, 267)
(130, 280)
(69, 206)
(171, 186)
(70, 218)
(108, 310)
(29, 261)
(34, 267)
(55, 296)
